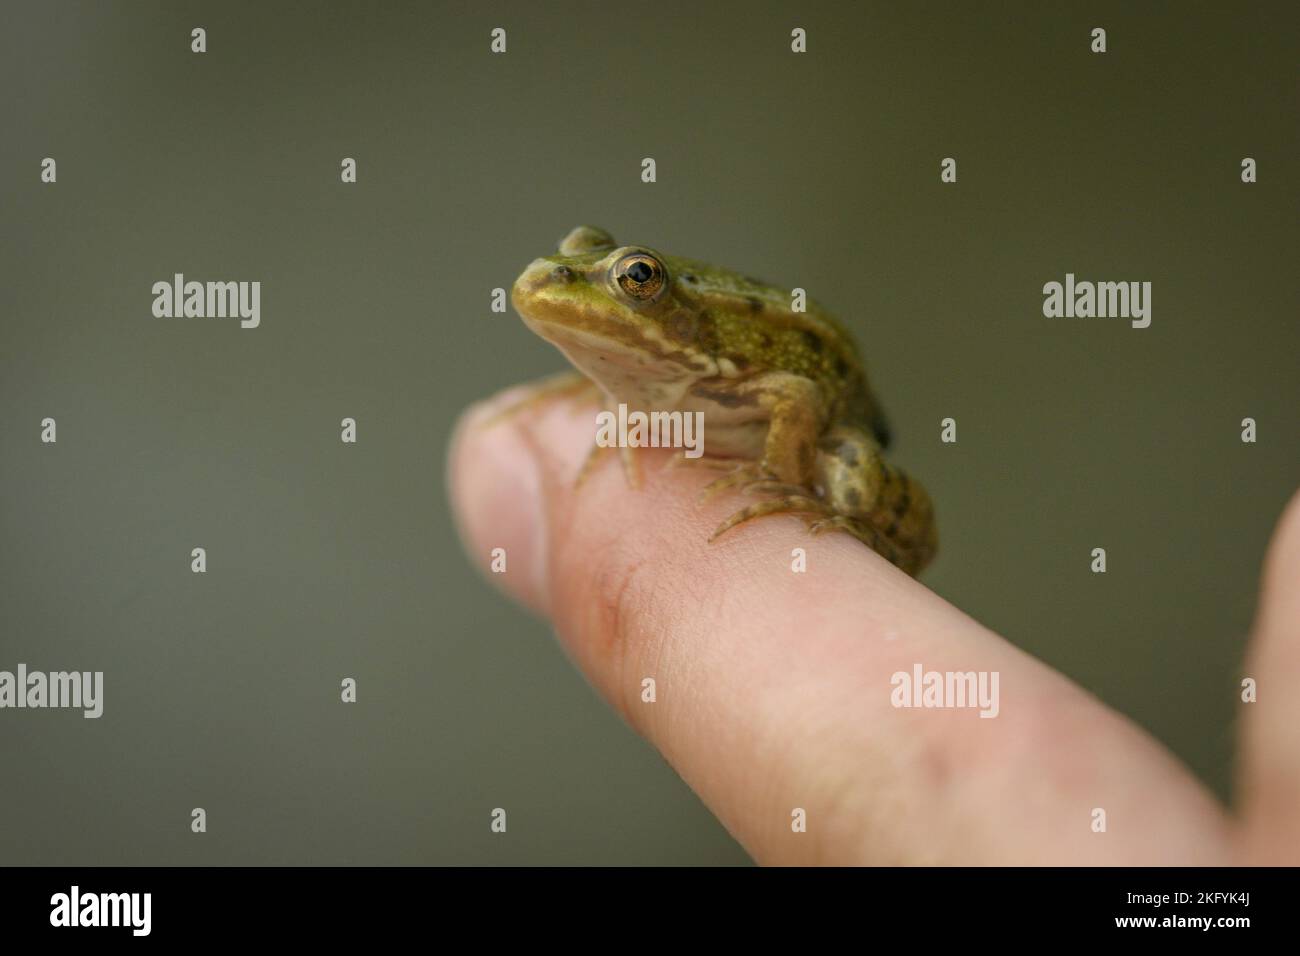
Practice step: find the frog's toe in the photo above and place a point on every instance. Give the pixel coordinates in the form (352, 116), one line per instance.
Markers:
(741, 475)
(818, 525)
(713, 464)
(835, 522)
(770, 486)
(865, 533)
(787, 504)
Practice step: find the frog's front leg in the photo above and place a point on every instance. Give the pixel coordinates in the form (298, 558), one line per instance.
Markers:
(792, 406)
(796, 417)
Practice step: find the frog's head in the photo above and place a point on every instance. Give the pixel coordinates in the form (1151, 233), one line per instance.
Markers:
(617, 312)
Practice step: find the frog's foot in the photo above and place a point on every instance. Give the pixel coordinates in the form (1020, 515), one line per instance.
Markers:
(712, 463)
(770, 486)
(572, 385)
(834, 522)
(786, 504)
(865, 533)
(631, 471)
(744, 475)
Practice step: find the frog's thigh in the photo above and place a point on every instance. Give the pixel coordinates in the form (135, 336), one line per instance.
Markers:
(851, 471)
(874, 501)
(793, 404)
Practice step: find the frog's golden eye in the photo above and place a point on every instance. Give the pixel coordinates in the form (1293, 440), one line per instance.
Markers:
(639, 275)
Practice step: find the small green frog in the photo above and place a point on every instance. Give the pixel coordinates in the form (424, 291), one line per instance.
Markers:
(787, 410)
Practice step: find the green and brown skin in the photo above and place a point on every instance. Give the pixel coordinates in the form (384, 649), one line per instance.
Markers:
(785, 399)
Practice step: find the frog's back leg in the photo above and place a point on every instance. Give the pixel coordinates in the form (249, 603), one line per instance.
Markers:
(862, 488)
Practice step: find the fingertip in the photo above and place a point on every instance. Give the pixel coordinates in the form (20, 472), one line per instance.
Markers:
(1282, 560)
(495, 486)
(1270, 752)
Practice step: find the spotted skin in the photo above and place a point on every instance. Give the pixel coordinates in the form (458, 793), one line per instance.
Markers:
(784, 394)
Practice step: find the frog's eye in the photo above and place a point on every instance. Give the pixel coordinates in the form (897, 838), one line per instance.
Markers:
(639, 275)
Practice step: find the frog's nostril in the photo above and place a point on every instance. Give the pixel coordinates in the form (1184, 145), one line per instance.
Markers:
(562, 273)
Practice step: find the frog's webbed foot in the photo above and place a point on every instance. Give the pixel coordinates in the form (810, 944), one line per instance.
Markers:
(786, 504)
(868, 535)
(571, 384)
(821, 518)
(749, 476)
(861, 530)
(752, 478)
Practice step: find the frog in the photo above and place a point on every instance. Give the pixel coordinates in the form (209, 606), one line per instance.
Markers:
(790, 419)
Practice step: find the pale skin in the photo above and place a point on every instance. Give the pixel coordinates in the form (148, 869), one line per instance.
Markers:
(773, 687)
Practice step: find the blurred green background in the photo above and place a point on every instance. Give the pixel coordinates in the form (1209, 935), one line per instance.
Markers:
(821, 170)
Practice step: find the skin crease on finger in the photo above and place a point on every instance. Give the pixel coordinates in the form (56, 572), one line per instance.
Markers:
(774, 687)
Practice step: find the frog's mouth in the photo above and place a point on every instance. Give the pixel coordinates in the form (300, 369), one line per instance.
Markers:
(549, 297)
(596, 335)
(609, 352)
(593, 342)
